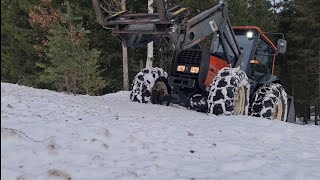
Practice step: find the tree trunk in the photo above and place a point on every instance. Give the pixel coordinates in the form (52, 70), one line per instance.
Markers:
(316, 113)
(74, 84)
(149, 61)
(125, 67)
(123, 5)
(308, 114)
(161, 10)
(125, 57)
(316, 118)
(149, 55)
(305, 118)
(67, 82)
(97, 10)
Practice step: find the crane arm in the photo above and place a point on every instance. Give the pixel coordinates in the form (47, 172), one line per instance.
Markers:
(136, 30)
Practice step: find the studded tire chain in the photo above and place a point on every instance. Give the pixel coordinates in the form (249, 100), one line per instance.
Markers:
(143, 83)
(266, 98)
(222, 93)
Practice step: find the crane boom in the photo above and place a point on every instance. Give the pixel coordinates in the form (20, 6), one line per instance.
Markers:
(136, 30)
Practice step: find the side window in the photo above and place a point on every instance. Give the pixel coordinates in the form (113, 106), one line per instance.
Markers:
(261, 64)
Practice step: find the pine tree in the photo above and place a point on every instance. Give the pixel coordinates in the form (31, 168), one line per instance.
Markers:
(305, 32)
(261, 15)
(239, 12)
(74, 66)
(301, 20)
(18, 57)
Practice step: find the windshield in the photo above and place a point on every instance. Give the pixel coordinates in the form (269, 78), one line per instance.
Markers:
(245, 45)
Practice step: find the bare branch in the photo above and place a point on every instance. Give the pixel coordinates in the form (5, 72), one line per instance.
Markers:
(111, 7)
(27, 135)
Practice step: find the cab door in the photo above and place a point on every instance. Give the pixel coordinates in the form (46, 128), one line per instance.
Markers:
(261, 65)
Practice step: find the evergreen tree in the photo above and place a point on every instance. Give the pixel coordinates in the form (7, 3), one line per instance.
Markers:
(18, 57)
(306, 38)
(261, 15)
(111, 58)
(301, 20)
(74, 66)
(239, 12)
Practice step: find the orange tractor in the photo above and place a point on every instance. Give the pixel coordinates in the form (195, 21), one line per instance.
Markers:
(234, 75)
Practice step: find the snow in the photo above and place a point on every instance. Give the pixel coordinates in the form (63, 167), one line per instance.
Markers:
(109, 137)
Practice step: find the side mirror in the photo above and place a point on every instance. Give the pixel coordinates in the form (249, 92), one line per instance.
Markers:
(282, 46)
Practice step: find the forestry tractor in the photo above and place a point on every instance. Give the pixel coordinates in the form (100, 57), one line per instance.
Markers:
(233, 75)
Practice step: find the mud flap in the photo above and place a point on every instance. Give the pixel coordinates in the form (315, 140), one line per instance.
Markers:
(291, 118)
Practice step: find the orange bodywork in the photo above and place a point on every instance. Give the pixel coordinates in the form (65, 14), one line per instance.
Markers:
(215, 65)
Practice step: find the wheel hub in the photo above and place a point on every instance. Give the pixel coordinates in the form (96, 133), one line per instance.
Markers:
(159, 90)
(277, 114)
(240, 102)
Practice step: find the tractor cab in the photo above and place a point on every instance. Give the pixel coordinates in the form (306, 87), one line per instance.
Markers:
(258, 52)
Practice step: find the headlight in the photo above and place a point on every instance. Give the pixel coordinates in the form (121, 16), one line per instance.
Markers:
(194, 70)
(181, 68)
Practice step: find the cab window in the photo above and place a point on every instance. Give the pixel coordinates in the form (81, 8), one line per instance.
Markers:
(261, 64)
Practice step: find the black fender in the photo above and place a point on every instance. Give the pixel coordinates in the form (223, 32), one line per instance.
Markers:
(266, 80)
(271, 79)
(291, 110)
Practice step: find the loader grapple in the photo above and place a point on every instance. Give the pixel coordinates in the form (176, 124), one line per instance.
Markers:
(138, 29)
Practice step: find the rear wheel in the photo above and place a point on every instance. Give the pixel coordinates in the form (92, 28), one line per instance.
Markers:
(270, 101)
(229, 93)
(148, 83)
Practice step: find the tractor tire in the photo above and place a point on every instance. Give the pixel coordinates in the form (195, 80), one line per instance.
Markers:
(198, 102)
(270, 101)
(145, 81)
(229, 93)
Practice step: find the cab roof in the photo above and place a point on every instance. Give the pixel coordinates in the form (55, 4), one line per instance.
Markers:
(259, 31)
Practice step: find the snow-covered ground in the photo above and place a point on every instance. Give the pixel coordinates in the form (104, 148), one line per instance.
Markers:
(109, 137)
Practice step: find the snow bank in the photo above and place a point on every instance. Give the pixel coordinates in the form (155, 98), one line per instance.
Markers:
(109, 137)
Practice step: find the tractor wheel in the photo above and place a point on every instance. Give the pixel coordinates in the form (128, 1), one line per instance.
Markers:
(159, 90)
(150, 82)
(270, 101)
(229, 93)
(198, 102)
